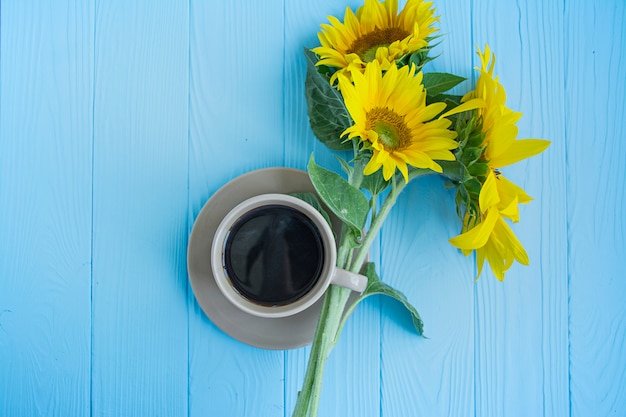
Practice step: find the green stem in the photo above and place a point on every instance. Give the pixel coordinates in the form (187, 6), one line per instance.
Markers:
(304, 396)
(381, 216)
(332, 318)
(324, 339)
(376, 224)
(338, 299)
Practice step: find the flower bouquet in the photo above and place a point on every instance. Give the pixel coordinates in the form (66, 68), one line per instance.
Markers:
(369, 97)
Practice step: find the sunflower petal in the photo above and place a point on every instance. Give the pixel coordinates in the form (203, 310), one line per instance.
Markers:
(511, 242)
(496, 261)
(389, 168)
(489, 196)
(477, 237)
(511, 211)
(519, 150)
(508, 190)
(480, 262)
(471, 104)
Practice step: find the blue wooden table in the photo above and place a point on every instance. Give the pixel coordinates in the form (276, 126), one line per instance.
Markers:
(119, 119)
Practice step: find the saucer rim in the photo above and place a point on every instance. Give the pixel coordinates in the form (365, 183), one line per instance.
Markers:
(268, 333)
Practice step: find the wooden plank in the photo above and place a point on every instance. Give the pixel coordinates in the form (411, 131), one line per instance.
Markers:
(521, 331)
(542, 228)
(594, 104)
(140, 205)
(45, 207)
(434, 376)
(431, 376)
(236, 125)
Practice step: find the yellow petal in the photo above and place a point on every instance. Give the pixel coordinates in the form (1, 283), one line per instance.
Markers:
(477, 237)
(472, 104)
(511, 242)
(508, 190)
(489, 196)
(430, 111)
(519, 149)
(388, 84)
(496, 262)
(348, 91)
(441, 155)
(373, 75)
(511, 211)
(480, 261)
(389, 168)
(372, 166)
(403, 169)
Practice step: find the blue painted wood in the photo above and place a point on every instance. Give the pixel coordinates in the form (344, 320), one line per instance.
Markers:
(434, 376)
(521, 366)
(118, 120)
(139, 335)
(236, 125)
(46, 64)
(595, 69)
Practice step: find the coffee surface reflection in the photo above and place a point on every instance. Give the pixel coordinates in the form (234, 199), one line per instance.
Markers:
(273, 255)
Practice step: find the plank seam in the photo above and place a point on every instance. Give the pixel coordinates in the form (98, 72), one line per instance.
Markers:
(91, 249)
(567, 211)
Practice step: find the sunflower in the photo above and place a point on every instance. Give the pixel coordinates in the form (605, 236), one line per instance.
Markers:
(487, 232)
(375, 33)
(502, 148)
(392, 119)
(492, 238)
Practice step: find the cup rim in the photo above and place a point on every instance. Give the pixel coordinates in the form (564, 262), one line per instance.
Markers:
(302, 303)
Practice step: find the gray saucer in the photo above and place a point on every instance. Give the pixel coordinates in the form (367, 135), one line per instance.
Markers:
(268, 333)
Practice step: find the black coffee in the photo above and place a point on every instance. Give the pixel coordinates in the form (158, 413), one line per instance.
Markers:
(273, 255)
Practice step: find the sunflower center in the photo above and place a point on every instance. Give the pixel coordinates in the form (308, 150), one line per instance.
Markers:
(392, 131)
(365, 46)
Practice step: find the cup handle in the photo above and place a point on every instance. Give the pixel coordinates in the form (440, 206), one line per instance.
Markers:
(347, 279)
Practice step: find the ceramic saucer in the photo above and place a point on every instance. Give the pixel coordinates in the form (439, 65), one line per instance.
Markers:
(268, 333)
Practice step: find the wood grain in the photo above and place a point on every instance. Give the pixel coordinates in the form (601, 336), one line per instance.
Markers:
(521, 367)
(118, 120)
(236, 125)
(594, 105)
(139, 349)
(542, 227)
(46, 55)
(430, 376)
(433, 376)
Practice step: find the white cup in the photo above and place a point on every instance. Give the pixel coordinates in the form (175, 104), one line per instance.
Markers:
(274, 255)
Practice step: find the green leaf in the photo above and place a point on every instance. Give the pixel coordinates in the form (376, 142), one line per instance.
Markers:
(312, 199)
(376, 287)
(471, 154)
(453, 170)
(473, 187)
(345, 166)
(451, 100)
(419, 59)
(347, 202)
(439, 82)
(328, 115)
(478, 169)
(375, 183)
(475, 139)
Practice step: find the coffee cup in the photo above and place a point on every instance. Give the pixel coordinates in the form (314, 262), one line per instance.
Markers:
(274, 255)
